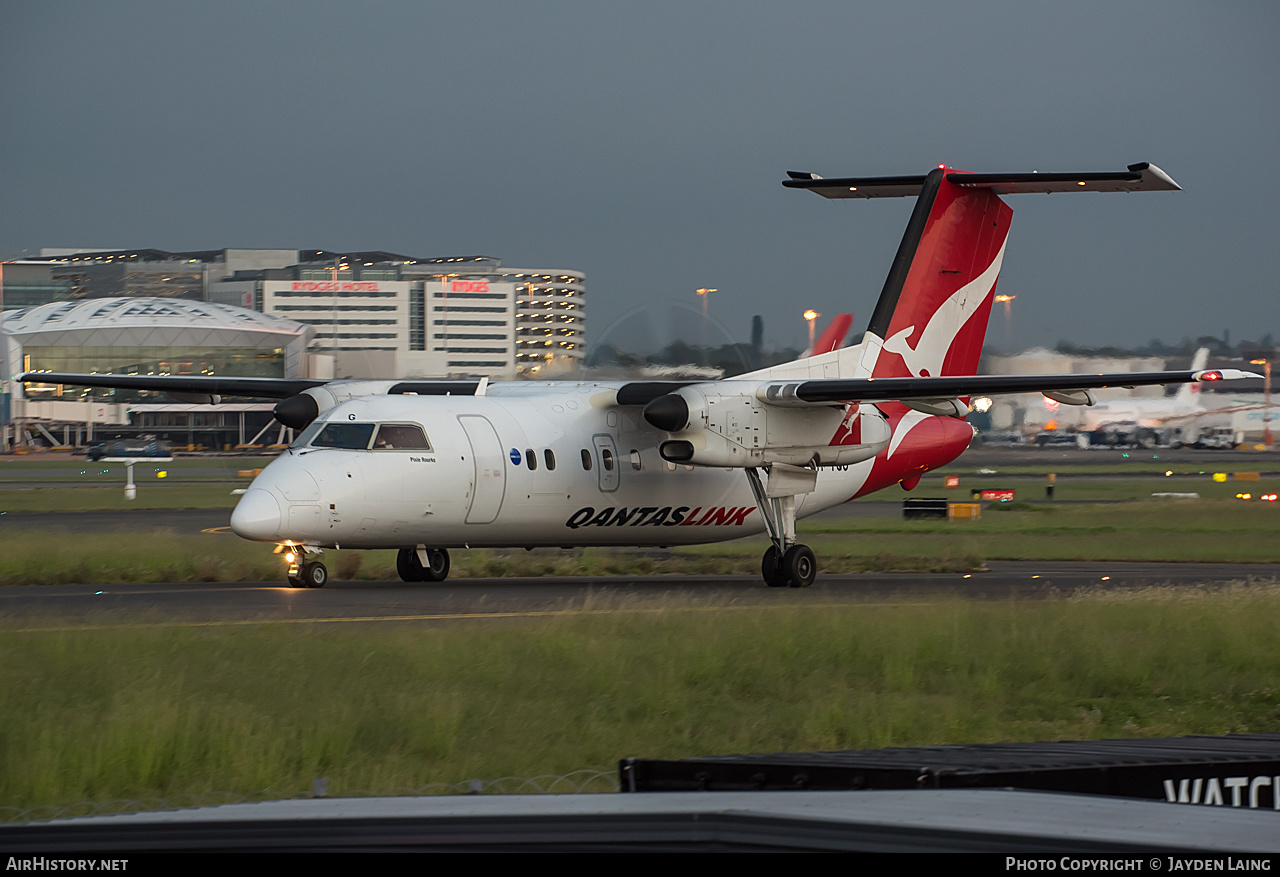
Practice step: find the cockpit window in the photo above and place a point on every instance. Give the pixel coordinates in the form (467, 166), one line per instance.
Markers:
(401, 436)
(344, 435)
(304, 438)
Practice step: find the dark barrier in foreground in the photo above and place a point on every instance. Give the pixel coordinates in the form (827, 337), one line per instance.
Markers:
(1239, 770)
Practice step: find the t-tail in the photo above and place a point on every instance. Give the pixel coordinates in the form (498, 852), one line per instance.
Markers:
(931, 317)
(1188, 393)
(930, 320)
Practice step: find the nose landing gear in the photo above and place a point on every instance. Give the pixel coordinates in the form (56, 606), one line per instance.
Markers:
(311, 575)
(301, 572)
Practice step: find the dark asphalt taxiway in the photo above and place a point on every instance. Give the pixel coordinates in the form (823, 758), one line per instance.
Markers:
(458, 599)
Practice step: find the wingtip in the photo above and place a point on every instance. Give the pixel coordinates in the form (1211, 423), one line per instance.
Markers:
(1150, 172)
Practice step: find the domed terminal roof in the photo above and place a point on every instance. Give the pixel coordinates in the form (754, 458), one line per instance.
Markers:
(149, 322)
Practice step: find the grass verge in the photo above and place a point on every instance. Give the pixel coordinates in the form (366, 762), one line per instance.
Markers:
(58, 558)
(160, 712)
(1207, 531)
(1204, 531)
(156, 495)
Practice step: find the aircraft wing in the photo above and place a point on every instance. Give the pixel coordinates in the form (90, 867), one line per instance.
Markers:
(900, 389)
(828, 391)
(268, 388)
(208, 385)
(812, 392)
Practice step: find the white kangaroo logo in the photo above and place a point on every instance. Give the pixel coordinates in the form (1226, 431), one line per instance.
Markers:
(926, 358)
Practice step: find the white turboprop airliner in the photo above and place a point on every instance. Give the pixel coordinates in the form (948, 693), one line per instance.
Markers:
(1185, 409)
(1151, 412)
(426, 466)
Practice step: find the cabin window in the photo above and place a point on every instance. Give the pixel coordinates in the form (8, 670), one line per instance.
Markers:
(352, 436)
(635, 459)
(586, 459)
(606, 459)
(401, 436)
(550, 459)
(531, 458)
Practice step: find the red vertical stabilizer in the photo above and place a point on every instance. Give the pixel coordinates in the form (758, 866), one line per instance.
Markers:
(932, 314)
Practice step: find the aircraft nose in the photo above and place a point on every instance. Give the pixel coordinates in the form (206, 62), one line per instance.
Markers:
(256, 516)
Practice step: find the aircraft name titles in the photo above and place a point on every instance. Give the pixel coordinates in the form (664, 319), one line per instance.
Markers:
(658, 517)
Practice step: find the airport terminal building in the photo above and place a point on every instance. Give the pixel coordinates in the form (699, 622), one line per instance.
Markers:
(375, 313)
(144, 335)
(269, 312)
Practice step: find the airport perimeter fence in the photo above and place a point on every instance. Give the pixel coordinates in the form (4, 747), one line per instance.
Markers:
(578, 782)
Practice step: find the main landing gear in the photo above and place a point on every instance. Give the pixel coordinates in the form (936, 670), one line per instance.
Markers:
(796, 567)
(785, 564)
(303, 573)
(422, 564)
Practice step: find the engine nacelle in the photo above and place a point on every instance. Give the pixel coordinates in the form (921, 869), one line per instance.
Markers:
(725, 425)
(298, 411)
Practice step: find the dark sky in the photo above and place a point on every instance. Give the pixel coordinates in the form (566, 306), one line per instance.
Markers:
(644, 143)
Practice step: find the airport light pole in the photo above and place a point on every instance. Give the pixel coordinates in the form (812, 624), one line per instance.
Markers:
(333, 313)
(1267, 438)
(809, 316)
(703, 294)
(1008, 318)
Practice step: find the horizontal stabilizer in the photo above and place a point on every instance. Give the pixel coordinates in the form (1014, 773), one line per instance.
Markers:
(1142, 177)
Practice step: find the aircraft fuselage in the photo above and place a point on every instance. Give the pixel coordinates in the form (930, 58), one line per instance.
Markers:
(539, 465)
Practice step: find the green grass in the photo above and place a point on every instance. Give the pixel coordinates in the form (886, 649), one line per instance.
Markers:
(12, 466)
(104, 714)
(35, 485)
(161, 556)
(184, 495)
(1223, 531)
(1113, 463)
(1075, 487)
(56, 556)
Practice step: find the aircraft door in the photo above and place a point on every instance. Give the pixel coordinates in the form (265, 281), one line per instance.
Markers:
(490, 479)
(607, 457)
